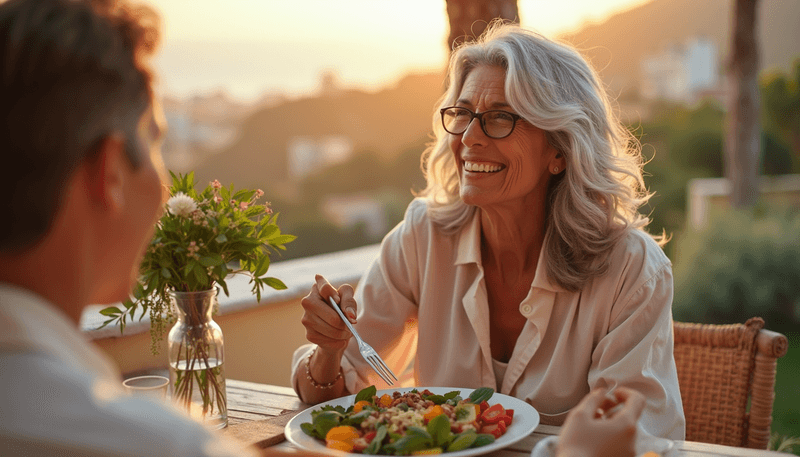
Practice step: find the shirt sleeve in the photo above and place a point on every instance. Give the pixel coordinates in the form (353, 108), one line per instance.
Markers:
(637, 353)
(387, 297)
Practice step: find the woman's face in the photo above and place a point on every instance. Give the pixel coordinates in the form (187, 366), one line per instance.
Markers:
(517, 168)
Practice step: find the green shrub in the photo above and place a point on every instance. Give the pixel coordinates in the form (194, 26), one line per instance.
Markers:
(745, 264)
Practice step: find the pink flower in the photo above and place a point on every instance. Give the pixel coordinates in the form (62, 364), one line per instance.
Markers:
(243, 205)
(268, 208)
(259, 193)
(216, 184)
(217, 199)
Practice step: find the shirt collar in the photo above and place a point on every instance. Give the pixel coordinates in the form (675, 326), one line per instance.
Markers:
(469, 251)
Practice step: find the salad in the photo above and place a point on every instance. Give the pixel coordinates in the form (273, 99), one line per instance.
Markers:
(411, 423)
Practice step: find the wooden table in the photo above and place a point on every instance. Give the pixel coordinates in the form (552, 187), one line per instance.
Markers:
(257, 414)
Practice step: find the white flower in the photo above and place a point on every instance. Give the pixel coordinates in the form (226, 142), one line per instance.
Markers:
(181, 205)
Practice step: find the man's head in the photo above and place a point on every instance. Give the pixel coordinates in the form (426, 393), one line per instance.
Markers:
(72, 73)
(80, 143)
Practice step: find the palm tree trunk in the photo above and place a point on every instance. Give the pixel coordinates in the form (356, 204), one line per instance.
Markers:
(742, 147)
(469, 18)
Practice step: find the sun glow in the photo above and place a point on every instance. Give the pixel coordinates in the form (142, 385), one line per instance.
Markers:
(252, 46)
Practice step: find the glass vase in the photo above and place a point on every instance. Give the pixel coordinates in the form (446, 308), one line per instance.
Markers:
(197, 358)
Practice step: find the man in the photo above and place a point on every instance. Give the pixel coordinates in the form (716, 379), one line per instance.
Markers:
(80, 152)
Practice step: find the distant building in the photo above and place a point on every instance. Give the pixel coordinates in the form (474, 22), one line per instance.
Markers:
(308, 154)
(682, 73)
(202, 122)
(347, 211)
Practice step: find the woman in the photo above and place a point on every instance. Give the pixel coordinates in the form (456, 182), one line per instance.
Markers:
(523, 265)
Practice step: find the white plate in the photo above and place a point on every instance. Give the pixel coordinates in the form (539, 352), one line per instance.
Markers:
(526, 419)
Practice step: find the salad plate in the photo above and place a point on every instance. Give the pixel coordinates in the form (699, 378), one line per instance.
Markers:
(525, 420)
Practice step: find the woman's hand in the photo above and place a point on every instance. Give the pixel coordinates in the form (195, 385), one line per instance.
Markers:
(602, 425)
(323, 325)
(320, 377)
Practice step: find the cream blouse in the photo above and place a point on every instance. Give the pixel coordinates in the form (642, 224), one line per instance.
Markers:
(423, 306)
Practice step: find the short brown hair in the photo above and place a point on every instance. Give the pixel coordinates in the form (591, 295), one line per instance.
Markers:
(71, 72)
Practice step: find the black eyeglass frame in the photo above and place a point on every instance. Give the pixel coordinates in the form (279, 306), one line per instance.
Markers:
(473, 115)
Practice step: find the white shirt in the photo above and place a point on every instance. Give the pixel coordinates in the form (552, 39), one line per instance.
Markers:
(60, 396)
(424, 302)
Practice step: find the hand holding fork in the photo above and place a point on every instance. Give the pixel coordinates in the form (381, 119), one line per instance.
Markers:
(323, 320)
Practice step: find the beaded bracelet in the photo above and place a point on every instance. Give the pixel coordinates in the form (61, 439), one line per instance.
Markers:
(315, 383)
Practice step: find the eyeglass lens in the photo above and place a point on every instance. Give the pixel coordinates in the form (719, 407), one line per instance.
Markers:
(495, 123)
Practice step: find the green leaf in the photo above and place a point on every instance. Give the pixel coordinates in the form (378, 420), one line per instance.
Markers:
(483, 439)
(415, 439)
(211, 260)
(262, 267)
(310, 430)
(439, 429)
(481, 394)
(462, 441)
(275, 283)
(267, 231)
(282, 239)
(358, 418)
(200, 274)
(187, 270)
(375, 445)
(452, 394)
(224, 286)
(165, 273)
(221, 238)
(366, 394)
(325, 421)
(436, 399)
(111, 311)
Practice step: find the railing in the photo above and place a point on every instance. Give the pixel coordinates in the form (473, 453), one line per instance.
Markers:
(260, 337)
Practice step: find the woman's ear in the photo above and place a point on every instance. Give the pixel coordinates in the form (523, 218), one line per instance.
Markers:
(107, 172)
(558, 163)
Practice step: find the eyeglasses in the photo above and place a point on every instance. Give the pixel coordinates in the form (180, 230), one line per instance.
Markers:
(494, 123)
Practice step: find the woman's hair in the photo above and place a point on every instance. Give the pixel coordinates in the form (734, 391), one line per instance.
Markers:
(594, 202)
(71, 73)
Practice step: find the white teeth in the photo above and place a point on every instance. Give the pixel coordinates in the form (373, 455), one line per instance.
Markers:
(481, 168)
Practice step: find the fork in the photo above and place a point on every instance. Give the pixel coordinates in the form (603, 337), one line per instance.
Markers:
(369, 354)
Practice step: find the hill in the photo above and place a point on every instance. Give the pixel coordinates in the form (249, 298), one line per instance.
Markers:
(382, 122)
(617, 45)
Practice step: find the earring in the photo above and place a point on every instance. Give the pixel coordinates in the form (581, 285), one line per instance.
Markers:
(555, 170)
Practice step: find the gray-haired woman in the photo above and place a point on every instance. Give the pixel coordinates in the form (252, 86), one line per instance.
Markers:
(524, 264)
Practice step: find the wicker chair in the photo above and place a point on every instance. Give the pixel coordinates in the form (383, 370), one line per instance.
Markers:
(723, 369)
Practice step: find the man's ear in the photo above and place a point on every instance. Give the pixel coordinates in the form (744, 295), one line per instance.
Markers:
(106, 173)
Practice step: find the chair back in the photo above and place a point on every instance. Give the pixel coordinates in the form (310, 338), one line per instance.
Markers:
(726, 375)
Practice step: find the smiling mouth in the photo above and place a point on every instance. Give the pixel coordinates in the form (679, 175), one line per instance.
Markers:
(476, 167)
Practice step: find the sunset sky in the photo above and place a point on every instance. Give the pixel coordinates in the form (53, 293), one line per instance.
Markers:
(252, 47)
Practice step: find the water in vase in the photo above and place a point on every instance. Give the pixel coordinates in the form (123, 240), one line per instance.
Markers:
(199, 387)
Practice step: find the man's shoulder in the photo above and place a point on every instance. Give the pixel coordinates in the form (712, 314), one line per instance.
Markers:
(46, 397)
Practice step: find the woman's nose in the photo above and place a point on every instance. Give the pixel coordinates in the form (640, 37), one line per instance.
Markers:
(474, 134)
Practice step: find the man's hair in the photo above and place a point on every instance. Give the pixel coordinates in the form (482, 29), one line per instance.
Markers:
(594, 202)
(71, 73)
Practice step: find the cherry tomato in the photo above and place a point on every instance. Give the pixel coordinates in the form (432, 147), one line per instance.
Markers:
(497, 430)
(495, 414)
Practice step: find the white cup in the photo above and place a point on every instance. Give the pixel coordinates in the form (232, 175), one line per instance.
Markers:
(150, 386)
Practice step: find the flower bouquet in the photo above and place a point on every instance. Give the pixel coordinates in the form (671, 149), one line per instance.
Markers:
(201, 239)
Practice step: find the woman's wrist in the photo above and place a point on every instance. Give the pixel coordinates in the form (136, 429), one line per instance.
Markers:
(317, 380)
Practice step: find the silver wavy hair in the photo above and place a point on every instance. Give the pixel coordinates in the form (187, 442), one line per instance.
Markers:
(595, 201)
